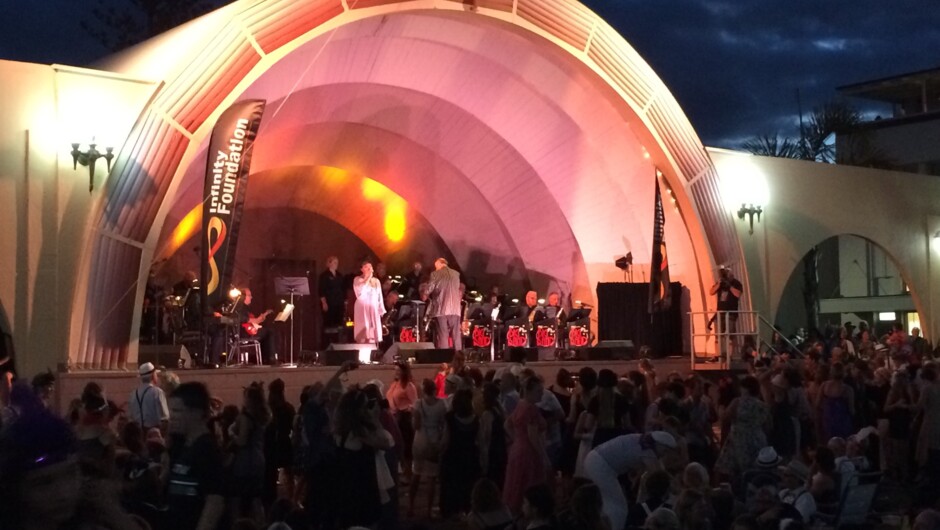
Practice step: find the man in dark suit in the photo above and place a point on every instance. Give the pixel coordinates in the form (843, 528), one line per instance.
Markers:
(444, 292)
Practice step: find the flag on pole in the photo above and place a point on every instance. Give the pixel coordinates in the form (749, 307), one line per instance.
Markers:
(660, 295)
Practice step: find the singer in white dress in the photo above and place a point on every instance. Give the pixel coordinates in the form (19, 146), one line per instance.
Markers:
(369, 307)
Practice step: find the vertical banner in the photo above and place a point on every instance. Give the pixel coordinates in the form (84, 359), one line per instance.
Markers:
(660, 294)
(227, 165)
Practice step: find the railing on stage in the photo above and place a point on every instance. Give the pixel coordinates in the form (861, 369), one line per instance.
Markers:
(716, 336)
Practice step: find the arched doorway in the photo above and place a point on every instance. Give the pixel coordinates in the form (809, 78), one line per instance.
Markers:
(855, 279)
(583, 83)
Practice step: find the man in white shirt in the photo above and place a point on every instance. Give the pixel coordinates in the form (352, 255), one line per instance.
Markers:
(795, 475)
(147, 403)
(630, 453)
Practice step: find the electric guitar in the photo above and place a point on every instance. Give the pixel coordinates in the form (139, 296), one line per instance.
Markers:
(254, 323)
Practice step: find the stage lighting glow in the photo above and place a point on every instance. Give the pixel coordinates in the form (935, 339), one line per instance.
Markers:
(187, 227)
(234, 293)
(373, 190)
(395, 221)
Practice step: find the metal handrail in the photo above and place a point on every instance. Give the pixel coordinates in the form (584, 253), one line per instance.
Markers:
(747, 324)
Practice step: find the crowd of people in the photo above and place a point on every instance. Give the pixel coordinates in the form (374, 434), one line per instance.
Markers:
(778, 447)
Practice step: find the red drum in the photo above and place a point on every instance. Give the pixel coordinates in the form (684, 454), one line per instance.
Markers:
(579, 336)
(482, 337)
(408, 335)
(517, 337)
(545, 336)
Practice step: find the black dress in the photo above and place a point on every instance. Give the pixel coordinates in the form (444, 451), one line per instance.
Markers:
(357, 501)
(498, 451)
(460, 465)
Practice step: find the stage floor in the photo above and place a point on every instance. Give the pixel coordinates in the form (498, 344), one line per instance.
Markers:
(227, 383)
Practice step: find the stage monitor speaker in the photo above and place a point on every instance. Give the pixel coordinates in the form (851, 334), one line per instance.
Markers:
(336, 354)
(611, 350)
(521, 355)
(170, 356)
(434, 356)
(405, 350)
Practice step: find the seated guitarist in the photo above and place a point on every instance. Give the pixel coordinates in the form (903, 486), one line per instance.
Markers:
(252, 327)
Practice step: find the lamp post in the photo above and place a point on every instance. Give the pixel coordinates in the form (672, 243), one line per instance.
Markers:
(89, 157)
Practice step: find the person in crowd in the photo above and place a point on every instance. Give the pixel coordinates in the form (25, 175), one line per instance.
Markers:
(358, 484)
(748, 417)
(460, 458)
(42, 484)
(694, 511)
(585, 510)
(528, 460)
(97, 441)
(928, 407)
(387, 460)
(147, 403)
(487, 511)
(795, 492)
(320, 455)
(698, 432)
(824, 481)
(783, 432)
(657, 486)
(44, 387)
(564, 391)
(429, 419)
(493, 443)
(194, 491)
(508, 391)
(835, 405)
(899, 409)
(402, 396)
(630, 453)
(538, 508)
(278, 449)
(662, 519)
(248, 463)
(606, 410)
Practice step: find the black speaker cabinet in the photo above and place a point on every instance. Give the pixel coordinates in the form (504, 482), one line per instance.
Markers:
(405, 350)
(521, 355)
(611, 350)
(434, 356)
(170, 356)
(337, 354)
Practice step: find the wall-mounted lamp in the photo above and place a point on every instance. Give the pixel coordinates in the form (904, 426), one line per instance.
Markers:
(88, 158)
(750, 211)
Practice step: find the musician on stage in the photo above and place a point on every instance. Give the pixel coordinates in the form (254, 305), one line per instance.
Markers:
(444, 291)
(534, 311)
(252, 326)
(238, 322)
(369, 306)
(411, 281)
(332, 302)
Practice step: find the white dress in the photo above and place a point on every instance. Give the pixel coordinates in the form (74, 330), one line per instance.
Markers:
(368, 311)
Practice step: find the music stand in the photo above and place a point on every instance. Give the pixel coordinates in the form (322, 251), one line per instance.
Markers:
(417, 305)
(292, 286)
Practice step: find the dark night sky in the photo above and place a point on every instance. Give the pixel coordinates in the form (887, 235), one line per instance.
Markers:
(733, 65)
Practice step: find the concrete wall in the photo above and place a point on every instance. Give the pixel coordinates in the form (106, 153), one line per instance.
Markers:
(810, 202)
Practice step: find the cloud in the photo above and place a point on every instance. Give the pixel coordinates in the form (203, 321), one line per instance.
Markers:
(736, 67)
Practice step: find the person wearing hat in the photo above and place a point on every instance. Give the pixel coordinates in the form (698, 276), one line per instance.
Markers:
(147, 403)
(794, 492)
(621, 456)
